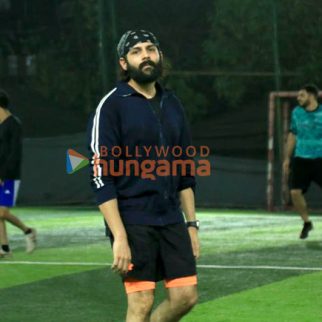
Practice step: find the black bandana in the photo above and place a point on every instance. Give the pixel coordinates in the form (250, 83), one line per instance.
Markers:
(132, 37)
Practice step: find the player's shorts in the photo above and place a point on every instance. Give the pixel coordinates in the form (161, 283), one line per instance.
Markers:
(8, 192)
(160, 253)
(304, 171)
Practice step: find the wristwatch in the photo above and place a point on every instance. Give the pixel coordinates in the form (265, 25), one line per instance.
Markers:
(193, 224)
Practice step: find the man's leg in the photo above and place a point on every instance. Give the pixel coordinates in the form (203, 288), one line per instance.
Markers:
(139, 283)
(29, 232)
(302, 175)
(300, 206)
(3, 230)
(299, 203)
(4, 245)
(178, 260)
(139, 306)
(6, 215)
(8, 200)
(3, 233)
(179, 302)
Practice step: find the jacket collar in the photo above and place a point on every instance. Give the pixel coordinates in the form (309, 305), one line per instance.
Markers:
(124, 89)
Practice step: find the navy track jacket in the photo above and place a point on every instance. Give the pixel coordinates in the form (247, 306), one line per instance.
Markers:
(125, 119)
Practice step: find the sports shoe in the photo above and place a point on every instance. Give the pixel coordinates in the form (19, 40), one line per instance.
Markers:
(307, 227)
(4, 254)
(31, 241)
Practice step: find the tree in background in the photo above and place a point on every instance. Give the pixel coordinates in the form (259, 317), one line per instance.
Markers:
(67, 64)
(70, 66)
(181, 28)
(241, 40)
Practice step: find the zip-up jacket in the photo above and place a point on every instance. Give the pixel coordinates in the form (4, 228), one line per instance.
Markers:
(126, 121)
(10, 148)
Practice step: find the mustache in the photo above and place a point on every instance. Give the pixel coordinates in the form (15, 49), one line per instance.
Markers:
(147, 63)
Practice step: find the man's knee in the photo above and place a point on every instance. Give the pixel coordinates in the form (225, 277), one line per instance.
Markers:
(140, 303)
(184, 299)
(296, 193)
(3, 213)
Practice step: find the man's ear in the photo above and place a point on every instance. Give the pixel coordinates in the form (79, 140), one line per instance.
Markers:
(123, 63)
(161, 55)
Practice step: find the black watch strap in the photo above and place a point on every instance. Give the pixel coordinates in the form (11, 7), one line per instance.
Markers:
(194, 224)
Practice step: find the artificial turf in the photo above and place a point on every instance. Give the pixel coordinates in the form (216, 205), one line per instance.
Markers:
(66, 278)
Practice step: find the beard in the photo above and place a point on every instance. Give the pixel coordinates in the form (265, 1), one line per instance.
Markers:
(145, 77)
(304, 104)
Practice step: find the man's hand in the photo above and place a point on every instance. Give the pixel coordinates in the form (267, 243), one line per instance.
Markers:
(121, 250)
(193, 232)
(121, 255)
(286, 166)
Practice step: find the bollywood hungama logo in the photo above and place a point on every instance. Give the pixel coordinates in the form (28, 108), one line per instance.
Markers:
(147, 162)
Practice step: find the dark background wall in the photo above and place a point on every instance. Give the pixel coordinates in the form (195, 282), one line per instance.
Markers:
(234, 182)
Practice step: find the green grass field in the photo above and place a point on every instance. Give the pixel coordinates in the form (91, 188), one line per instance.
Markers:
(253, 268)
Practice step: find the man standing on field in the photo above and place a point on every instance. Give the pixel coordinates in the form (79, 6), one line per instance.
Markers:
(151, 241)
(305, 142)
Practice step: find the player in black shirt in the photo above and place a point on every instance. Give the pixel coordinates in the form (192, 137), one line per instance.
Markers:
(10, 165)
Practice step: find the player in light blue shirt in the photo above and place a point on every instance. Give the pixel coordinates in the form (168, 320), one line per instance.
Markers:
(304, 143)
(306, 125)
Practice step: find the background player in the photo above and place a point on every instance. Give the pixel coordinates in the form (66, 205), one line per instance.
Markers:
(305, 141)
(10, 164)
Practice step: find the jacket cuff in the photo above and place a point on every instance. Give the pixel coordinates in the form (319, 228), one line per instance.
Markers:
(105, 194)
(187, 183)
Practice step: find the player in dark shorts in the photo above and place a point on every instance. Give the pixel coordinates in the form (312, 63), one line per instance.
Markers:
(10, 163)
(305, 142)
(144, 213)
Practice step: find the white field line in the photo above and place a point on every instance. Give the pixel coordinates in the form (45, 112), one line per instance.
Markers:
(248, 267)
